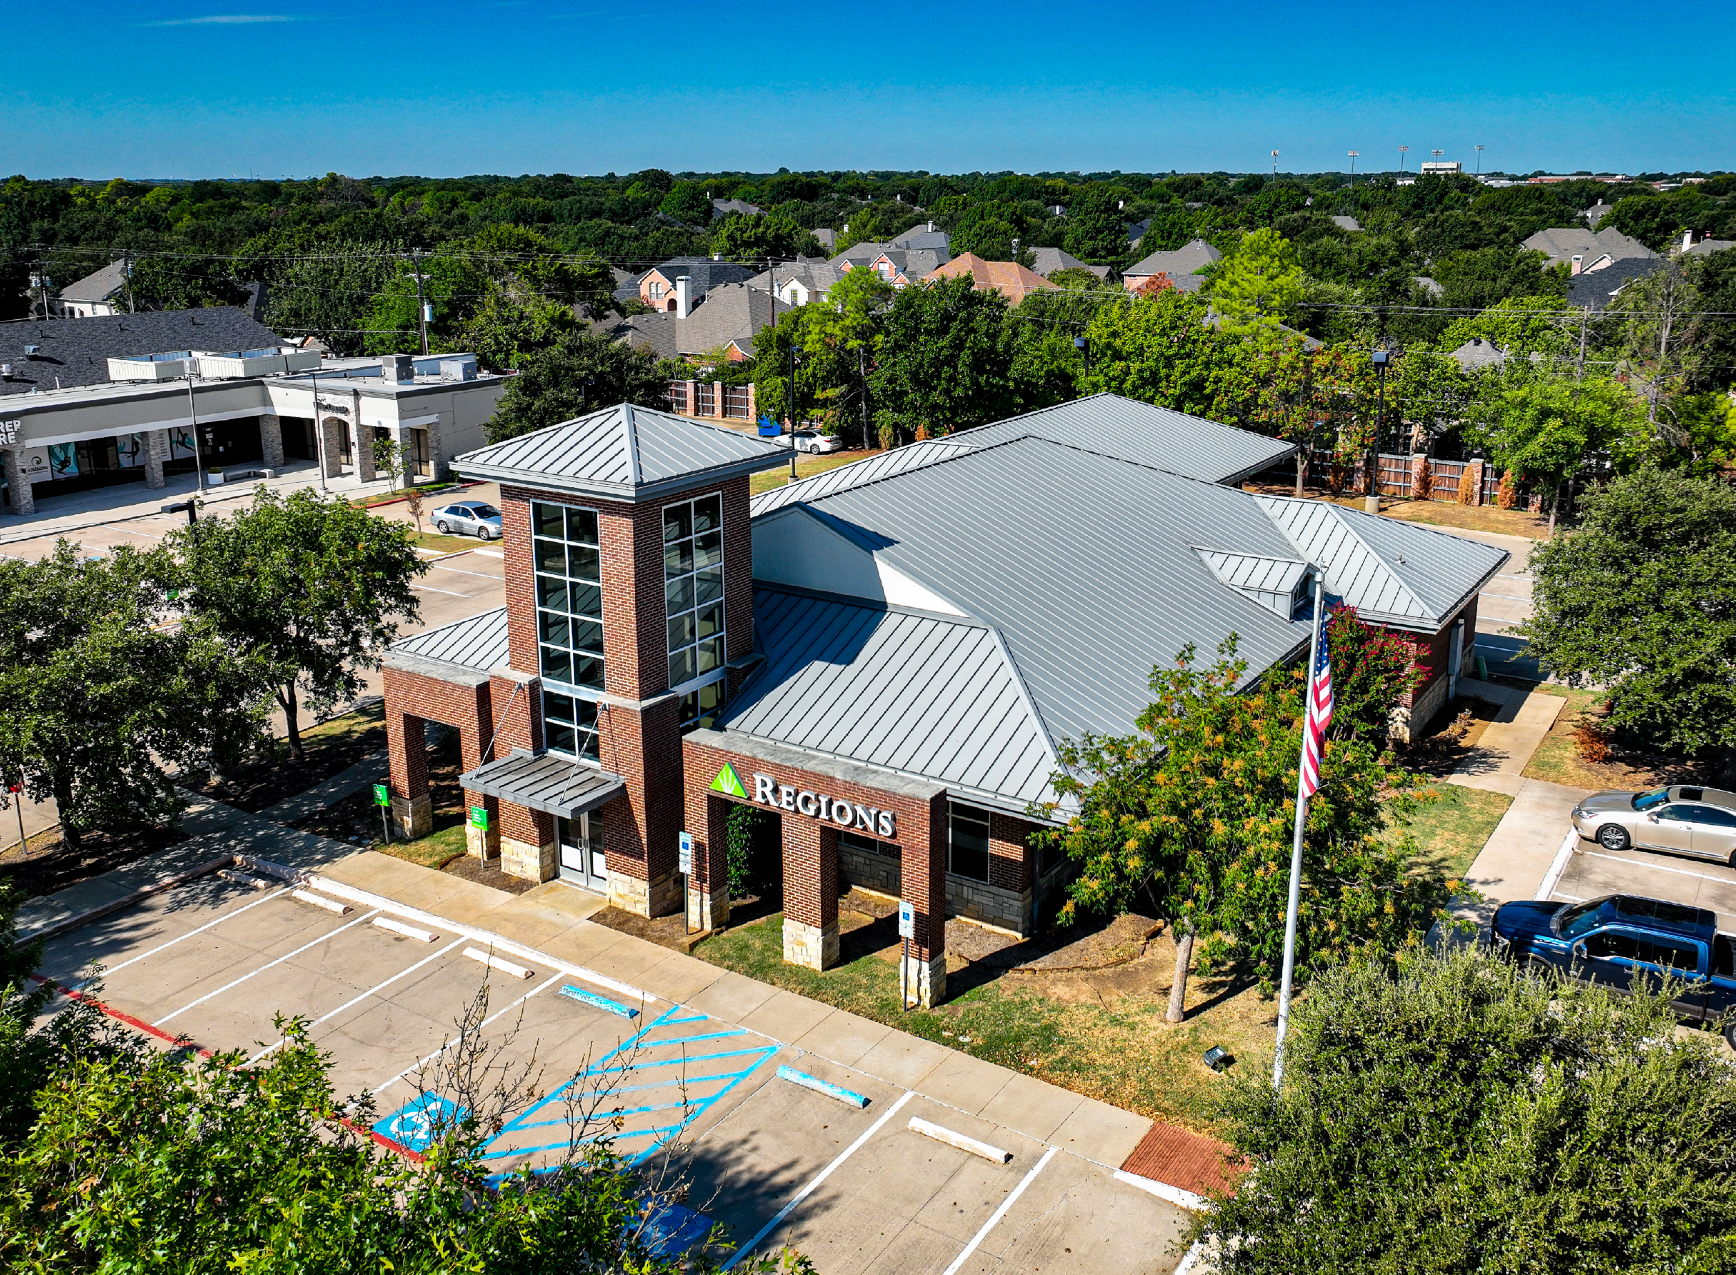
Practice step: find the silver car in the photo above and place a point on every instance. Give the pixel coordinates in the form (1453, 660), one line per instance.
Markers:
(1679, 819)
(468, 518)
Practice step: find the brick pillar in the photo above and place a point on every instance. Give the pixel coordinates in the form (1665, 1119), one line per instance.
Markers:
(692, 408)
(717, 401)
(708, 887)
(752, 402)
(1013, 865)
(18, 482)
(271, 441)
(1471, 483)
(527, 837)
(644, 747)
(156, 451)
(473, 737)
(1421, 477)
(362, 449)
(923, 883)
(810, 893)
(331, 443)
(412, 807)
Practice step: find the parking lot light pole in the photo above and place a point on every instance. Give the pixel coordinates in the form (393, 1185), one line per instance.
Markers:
(1382, 359)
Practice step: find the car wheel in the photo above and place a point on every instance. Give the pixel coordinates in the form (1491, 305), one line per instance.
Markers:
(1537, 967)
(443, 528)
(1730, 1033)
(1612, 836)
(486, 532)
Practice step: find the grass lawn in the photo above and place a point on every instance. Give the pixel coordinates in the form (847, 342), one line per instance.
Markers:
(1098, 1031)
(436, 850)
(806, 467)
(1452, 829)
(444, 544)
(1507, 522)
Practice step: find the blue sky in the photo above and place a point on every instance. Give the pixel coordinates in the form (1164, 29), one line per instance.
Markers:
(219, 88)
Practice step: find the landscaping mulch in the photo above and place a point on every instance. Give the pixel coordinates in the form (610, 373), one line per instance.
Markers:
(470, 868)
(46, 863)
(330, 747)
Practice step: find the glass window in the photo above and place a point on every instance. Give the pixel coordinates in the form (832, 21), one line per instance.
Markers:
(1608, 943)
(1679, 959)
(1677, 814)
(693, 603)
(485, 511)
(968, 848)
(569, 725)
(569, 596)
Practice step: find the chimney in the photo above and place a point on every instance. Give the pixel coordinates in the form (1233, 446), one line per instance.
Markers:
(1578, 262)
(398, 369)
(931, 227)
(1687, 240)
(683, 296)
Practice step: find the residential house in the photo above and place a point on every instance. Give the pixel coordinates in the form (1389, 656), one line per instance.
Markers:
(1594, 289)
(100, 293)
(1704, 247)
(734, 208)
(728, 317)
(116, 398)
(1347, 223)
(1136, 232)
(1009, 278)
(1180, 265)
(1046, 261)
(924, 238)
(1477, 354)
(1584, 249)
(657, 286)
(898, 266)
(799, 283)
(828, 238)
(1597, 212)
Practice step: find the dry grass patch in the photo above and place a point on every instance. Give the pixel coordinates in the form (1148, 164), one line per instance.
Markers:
(806, 467)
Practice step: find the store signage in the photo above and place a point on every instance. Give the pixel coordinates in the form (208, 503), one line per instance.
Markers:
(816, 805)
(9, 432)
(382, 795)
(479, 817)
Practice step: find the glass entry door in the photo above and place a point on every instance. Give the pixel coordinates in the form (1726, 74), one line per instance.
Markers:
(581, 851)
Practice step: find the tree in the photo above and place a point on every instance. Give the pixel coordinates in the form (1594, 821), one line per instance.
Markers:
(945, 360)
(770, 236)
(688, 202)
(309, 589)
(582, 372)
(1259, 284)
(849, 323)
(1661, 335)
(1543, 426)
(102, 699)
(1640, 599)
(1451, 1114)
(163, 282)
(1096, 227)
(1190, 821)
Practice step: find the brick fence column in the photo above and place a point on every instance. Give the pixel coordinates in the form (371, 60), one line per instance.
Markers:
(923, 838)
(156, 452)
(810, 893)
(1471, 483)
(1422, 485)
(719, 404)
(406, 744)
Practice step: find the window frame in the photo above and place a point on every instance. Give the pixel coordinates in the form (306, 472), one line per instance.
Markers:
(692, 689)
(954, 811)
(558, 627)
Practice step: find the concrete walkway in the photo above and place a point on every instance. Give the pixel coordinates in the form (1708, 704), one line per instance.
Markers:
(328, 792)
(1497, 763)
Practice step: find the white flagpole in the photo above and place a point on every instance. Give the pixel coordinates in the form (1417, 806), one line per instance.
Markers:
(1296, 839)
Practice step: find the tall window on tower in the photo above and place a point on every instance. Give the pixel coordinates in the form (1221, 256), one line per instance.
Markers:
(693, 599)
(569, 595)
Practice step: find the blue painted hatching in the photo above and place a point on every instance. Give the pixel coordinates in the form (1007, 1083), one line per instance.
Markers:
(671, 1229)
(598, 1002)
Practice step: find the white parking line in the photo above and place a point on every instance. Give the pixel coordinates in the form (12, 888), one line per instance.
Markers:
(445, 1045)
(999, 1213)
(818, 1178)
(428, 588)
(268, 965)
(171, 943)
(480, 575)
(1657, 867)
(364, 996)
(487, 553)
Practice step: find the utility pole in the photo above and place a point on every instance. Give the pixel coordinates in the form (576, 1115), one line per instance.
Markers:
(128, 259)
(421, 305)
(198, 452)
(792, 411)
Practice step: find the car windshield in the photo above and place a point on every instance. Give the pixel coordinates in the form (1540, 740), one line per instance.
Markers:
(1650, 800)
(486, 511)
(1573, 921)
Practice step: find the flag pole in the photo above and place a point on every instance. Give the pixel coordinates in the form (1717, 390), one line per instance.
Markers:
(1296, 839)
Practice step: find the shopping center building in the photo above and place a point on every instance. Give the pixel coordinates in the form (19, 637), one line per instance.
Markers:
(886, 655)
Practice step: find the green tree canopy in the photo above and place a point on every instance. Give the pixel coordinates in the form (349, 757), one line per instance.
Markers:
(308, 588)
(1260, 283)
(1454, 1115)
(688, 202)
(945, 362)
(767, 237)
(580, 373)
(102, 698)
(1640, 599)
(1544, 426)
(1097, 227)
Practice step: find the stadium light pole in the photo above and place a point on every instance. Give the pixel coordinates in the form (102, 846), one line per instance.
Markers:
(1274, 165)
(1479, 151)
(1401, 154)
(1353, 155)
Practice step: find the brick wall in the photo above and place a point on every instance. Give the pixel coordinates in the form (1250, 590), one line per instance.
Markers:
(413, 698)
(810, 858)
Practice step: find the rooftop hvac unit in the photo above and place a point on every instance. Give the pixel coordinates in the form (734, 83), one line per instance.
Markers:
(5, 371)
(31, 351)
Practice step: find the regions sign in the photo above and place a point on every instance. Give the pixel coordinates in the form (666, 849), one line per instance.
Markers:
(834, 810)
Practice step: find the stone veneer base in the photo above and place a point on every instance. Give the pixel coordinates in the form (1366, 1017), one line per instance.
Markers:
(527, 862)
(924, 981)
(414, 816)
(813, 946)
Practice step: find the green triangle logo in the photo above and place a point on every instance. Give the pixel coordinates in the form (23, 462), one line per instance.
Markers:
(729, 782)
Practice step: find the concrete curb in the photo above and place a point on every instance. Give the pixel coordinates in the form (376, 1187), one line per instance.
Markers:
(74, 922)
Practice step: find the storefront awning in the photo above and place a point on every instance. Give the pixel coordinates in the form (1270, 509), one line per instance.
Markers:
(548, 783)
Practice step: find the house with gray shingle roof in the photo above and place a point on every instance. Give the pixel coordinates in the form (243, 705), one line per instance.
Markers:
(1181, 265)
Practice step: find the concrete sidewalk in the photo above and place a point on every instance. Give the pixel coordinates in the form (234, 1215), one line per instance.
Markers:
(1497, 763)
(328, 792)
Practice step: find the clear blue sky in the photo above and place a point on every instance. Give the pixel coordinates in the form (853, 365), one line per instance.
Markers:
(218, 88)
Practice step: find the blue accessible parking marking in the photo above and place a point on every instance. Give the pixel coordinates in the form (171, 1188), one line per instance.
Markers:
(598, 1002)
(678, 1066)
(672, 1229)
(416, 1124)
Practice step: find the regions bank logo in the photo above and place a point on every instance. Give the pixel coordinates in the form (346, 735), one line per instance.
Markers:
(728, 782)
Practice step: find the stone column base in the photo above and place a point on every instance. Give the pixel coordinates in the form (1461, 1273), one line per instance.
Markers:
(156, 452)
(924, 981)
(414, 816)
(645, 898)
(707, 911)
(18, 482)
(527, 862)
(484, 843)
(814, 946)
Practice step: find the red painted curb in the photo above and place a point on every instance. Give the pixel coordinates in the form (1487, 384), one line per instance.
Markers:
(137, 1024)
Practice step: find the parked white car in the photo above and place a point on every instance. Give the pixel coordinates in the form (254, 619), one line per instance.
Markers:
(814, 443)
(468, 518)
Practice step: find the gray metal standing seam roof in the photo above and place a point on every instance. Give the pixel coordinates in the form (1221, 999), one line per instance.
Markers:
(622, 453)
(1092, 570)
(924, 695)
(475, 642)
(545, 782)
(856, 473)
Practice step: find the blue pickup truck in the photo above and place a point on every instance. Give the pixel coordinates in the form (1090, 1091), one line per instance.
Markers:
(1623, 938)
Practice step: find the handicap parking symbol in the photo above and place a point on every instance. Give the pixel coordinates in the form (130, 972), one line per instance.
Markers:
(418, 1122)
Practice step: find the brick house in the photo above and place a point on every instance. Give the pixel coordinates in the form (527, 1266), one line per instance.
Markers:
(885, 656)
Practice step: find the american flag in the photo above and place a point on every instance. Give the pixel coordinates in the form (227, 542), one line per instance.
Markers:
(1318, 716)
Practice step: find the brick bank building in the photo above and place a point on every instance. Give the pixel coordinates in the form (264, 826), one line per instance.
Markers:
(886, 654)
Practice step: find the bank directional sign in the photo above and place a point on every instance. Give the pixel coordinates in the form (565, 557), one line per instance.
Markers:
(728, 781)
(479, 817)
(382, 795)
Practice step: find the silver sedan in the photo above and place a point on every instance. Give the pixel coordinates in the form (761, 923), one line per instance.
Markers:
(1679, 819)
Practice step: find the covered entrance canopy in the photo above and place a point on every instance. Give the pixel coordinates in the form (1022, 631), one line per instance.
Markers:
(554, 785)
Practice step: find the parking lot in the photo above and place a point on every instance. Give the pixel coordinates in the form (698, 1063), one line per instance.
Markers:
(1593, 871)
(383, 986)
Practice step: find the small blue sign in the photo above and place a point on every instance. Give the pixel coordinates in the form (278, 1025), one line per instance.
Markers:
(417, 1123)
(769, 428)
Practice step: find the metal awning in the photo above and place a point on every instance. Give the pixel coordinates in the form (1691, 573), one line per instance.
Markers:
(548, 783)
